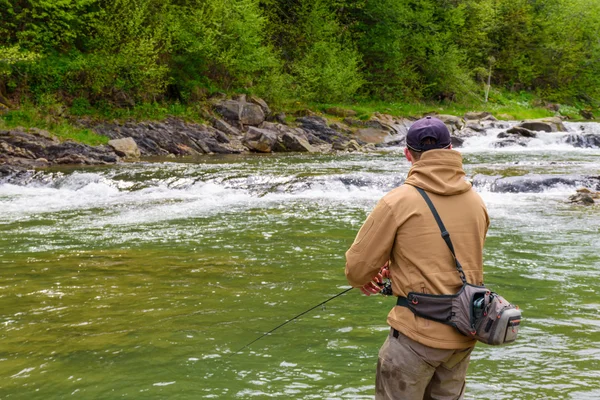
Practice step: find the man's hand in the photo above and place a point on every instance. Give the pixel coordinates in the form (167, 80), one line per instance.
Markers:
(376, 283)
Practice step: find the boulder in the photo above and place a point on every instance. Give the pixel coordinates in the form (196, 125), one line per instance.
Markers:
(590, 140)
(509, 142)
(290, 142)
(262, 104)
(225, 127)
(126, 148)
(457, 141)
(518, 131)
(260, 140)
(241, 112)
(372, 135)
(585, 199)
(552, 124)
(317, 126)
(475, 127)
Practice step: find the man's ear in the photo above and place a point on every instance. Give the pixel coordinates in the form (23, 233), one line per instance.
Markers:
(408, 155)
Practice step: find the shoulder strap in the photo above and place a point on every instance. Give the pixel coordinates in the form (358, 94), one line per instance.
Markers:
(445, 234)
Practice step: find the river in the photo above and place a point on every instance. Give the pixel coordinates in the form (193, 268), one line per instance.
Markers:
(141, 280)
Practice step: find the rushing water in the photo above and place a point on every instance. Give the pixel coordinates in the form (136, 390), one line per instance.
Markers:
(142, 280)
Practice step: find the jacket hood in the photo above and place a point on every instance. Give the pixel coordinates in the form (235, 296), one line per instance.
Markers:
(439, 171)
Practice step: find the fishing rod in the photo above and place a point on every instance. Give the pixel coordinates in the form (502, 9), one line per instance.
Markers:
(386, 290)
(291, 319)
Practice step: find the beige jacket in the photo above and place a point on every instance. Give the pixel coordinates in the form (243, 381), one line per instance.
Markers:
(403, 230)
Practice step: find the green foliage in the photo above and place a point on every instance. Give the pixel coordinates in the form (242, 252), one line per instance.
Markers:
(327, 66)
(121, 53)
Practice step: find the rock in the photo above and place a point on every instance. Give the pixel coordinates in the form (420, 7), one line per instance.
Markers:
(582, 199)
(534, 183)
(553, 107)
(509, 142)
(340, 112)
(454, 123)
(290, 142)
(340, 128)
(475, 127)
(476, 115)
(372, 135)
(595, 195)
(304, 113)
(590, 140)
(317, 126)
(260, 140)
(351, 145)
(586, 114)
(225, 127)
(552, 124)
(519, 131)
(22, 148)
(241, 112)
(457, 141)
(125, 148)
(280, 117)
(262, 104)
(174, 136)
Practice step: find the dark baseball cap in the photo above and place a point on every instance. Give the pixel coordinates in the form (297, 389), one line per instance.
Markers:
(428, 127)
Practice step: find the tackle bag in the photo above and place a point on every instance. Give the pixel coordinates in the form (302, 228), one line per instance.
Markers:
(474, 311)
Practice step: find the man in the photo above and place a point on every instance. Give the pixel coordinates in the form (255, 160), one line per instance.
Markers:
(422, 359)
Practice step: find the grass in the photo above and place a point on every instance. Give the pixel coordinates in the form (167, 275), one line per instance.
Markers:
(29, 116)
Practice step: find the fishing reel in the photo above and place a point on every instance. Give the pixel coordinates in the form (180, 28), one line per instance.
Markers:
(386, 287)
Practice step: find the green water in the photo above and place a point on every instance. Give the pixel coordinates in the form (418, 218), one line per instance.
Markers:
(139, 281)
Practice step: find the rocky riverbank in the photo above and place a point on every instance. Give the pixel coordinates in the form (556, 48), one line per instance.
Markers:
(244, 125)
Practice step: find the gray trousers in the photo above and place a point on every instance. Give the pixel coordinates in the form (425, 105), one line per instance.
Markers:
(408, 370)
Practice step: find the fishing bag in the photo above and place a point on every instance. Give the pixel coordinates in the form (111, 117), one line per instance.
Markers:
(474, 311)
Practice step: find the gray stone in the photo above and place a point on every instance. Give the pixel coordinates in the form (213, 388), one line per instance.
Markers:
(125, 148)
(291, 142)
(552, 124)
(260, 140)
(225, 127)
(519, 131)
(261, 103)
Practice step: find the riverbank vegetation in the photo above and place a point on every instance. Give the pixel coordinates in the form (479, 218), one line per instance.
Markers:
(152, 58)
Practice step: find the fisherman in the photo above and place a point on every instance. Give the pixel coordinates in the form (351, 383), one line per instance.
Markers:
(422, 359)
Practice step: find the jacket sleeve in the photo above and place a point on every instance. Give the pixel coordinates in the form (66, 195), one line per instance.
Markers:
(372, 246)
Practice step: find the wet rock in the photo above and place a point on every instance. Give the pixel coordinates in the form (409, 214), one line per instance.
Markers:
(475, 127)
(510, 142)
(552, 124)
(457, 141)
(587, 114)
(453, 123)
(518, 131)
(582, 199)
(126, 148)
(534, 183)
(351, 145)
(589, 140)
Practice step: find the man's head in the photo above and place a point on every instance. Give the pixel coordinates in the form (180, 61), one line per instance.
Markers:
(426, 134)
